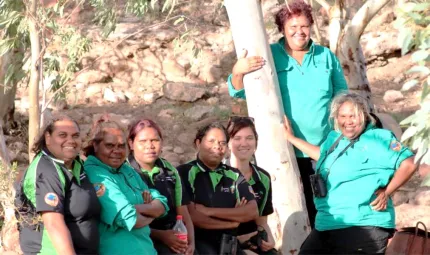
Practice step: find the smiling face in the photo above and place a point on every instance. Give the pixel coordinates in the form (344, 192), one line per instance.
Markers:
(350, 121)
(297, 31)
(65, 141)
(112, 149)
(243, 144)
(212, 147)
(146, 147)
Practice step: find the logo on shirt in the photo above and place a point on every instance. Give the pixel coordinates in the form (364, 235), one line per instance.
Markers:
(100, 189)
(252, 191)
(51, 199)
(395, 146)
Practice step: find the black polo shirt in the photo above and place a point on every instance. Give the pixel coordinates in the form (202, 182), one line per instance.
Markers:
(221, 188)
(48, 186)
(165, 178)
(262, 187)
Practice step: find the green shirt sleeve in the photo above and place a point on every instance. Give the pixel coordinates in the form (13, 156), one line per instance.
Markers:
(157, 196)
(117, 211)
(337, 78)
(232, 91)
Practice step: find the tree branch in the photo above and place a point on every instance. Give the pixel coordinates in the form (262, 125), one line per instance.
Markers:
(324, 4)
(365, 15)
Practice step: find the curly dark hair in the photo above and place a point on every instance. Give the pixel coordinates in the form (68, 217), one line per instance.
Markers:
(297, 8)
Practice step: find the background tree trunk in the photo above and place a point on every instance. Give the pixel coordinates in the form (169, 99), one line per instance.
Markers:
(7, 91)
(34, 112)
(289, 223)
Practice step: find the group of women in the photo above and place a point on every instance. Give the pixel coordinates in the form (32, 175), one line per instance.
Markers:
(120, 197)
(114, 203)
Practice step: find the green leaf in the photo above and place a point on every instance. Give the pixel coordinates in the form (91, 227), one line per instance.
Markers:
(180, 19)
(419, 69)
(421, 7)
(409, 84)
(409, 133)
(420, 55)
(405, 39)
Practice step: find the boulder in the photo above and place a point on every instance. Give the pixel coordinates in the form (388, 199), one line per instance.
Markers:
(392, 96)
(92, 76)
(198, 112)
(180, 91)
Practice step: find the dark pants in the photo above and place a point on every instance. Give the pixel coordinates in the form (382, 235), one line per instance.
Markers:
(306, 169)
(353, 240)
(162, 248)
(204, 247)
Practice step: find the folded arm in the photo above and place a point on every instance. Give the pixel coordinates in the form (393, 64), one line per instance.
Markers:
(240, 214)
(202, 221)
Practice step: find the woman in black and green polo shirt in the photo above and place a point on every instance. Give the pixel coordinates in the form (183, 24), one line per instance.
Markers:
(220, 196)
(145, 141)
(58, 209)
(243, 144)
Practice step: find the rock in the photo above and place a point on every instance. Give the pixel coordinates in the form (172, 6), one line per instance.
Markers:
(150, 97)
(165, 35)
(198, 112)
(171, 157)
(379, 43)
(210, 74)
(176, 127)
(94, 90)
(121, 120)
(181, 91)
(400, 78)
(92, 76)
(400, 197)
(166, 113)
(167, 148)
(422, 196)
(407, 215)
(186, 138)
(212, 101)
(109, 96)
(392, 96)
(173, 71)
(178, 150)
(18, 146)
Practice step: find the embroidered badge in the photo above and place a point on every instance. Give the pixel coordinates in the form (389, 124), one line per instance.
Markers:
(395, 146)
(100, 189)
(51, 199)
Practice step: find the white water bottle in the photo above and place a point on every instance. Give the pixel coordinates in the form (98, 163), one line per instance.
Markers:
(180, 228)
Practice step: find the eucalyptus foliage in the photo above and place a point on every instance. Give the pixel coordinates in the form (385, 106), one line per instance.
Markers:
(414, 25)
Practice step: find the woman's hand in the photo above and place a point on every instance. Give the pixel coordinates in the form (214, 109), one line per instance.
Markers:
(190, 249)
(147, 198)
(266, 246)
(173, 242)
(381, 200)
(246, 65)
(288, 134)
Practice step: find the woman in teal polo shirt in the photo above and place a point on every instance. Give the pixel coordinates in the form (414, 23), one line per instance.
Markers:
(359, 167)
(309, 76)
(128, 206)
(145, 141)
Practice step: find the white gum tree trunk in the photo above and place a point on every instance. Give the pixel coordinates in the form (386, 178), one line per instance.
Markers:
(345, 40)
(289, 223)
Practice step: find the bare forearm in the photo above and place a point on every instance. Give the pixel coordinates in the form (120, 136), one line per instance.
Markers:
(262, 221)
(142, 221)
(244, 213)
(202, 221)
(153, 209)
(312, 150)
(402, 175)
(60, 237)
(237, 81)
(157, 234)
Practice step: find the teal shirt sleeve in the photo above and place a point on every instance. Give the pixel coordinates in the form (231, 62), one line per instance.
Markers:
(117, 211)
(234, 92)
(338, 78)
(157, 196)
(390, 149)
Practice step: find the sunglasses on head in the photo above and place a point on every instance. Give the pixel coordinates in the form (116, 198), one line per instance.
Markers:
(234, 119)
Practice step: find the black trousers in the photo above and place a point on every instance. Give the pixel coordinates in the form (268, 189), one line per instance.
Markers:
(205, 247)
(306, 169)
(353, 240)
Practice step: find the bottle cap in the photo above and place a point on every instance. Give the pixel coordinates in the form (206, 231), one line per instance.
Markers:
(179, 217)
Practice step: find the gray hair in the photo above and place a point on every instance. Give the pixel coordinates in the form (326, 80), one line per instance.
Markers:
(359, 103)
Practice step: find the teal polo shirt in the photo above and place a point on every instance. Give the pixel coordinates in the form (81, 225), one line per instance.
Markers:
(306, 90)
(354, 177)
(118, 190)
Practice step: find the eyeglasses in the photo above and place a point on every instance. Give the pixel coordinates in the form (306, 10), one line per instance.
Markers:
(235, 119)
